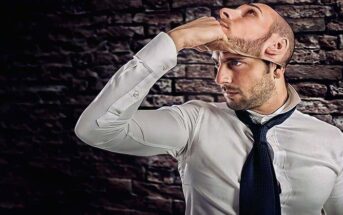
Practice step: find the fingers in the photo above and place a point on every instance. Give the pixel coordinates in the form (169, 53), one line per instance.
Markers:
(217, 45)
(198, 32)
(202, 48)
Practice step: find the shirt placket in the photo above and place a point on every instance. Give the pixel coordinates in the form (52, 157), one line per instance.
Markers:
(279, 166)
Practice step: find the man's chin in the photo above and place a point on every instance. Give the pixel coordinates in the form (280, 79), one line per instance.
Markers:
(235, 104)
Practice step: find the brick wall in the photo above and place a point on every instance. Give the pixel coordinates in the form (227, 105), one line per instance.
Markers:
(55, 56)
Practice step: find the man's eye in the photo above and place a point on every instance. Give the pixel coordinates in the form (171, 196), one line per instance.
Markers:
(234, 63)
(250, 12)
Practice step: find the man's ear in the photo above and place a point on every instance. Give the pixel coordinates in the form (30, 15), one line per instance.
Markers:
(278, 72)
(278, 47)
(275, 49)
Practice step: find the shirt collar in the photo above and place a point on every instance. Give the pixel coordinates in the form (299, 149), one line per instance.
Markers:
(292, 100)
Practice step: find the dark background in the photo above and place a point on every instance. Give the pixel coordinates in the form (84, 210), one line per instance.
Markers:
(55, 57)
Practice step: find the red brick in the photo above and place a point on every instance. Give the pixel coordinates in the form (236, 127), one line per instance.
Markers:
(307, 41)
(314, 72)
(205, 98)
(197, 86)
(306, 56)
(328, 42)
(158, 18)
(156, 5)
(334, 57)
(321, 106)
(179, 71)
(179, 207)
(188, 56)
(303, 11)
(159, 162)
(311, 89)
(307, 24)
(338, 121)
(157, 190)
(162, 86)
(161, 100)
(200, 71)
(336, 90)
(197, 12)
(277, 1)
(335, 25)
(115, 5)
(184, 3)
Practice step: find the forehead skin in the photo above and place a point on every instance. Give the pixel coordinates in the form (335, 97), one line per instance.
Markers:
(266, 9)
(269, 15)
(251, 29)
(267, 12)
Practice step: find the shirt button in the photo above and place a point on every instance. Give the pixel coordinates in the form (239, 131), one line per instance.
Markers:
(135, 93)
(164, 67)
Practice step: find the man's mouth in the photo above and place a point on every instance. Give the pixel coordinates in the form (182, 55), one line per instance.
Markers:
(230, 94)
(227, 88)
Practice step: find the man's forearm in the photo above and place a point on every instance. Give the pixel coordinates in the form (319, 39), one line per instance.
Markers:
(123, 93)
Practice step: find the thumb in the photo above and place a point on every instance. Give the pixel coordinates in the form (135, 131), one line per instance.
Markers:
(202, 48)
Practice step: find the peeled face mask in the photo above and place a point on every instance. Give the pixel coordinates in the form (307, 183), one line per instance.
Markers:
(215, 55)
(259, 47)
(226, 46)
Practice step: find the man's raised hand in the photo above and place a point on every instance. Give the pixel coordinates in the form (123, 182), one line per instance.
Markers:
(198, 34)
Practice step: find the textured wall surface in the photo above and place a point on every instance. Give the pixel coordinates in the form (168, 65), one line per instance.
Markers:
(55, 56)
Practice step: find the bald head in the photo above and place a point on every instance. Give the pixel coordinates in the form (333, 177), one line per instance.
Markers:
(256, 30)
(281, 27)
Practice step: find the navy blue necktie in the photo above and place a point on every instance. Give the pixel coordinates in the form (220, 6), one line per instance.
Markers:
(259, 190)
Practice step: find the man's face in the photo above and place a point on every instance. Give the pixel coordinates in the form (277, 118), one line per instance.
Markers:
(246, 82)
(247, 28)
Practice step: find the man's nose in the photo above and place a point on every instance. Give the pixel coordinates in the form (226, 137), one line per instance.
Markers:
(227, 13)
(223, 76)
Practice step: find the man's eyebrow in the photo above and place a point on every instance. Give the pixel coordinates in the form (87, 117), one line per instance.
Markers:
(231, 58)
(251, 4)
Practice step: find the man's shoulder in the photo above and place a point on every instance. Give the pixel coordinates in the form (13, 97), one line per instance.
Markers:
(207, 106)
(316, 125)
(201, 104)
(199, 107)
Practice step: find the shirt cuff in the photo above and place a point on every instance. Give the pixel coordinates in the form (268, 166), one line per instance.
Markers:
(159, 54)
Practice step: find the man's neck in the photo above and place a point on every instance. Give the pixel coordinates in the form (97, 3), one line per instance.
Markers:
(278, 99)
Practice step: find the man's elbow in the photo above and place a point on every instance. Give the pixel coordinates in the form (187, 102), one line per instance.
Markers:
(93, 135)
(83, 133)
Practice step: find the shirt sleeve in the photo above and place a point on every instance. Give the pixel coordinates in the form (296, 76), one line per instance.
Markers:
(334, 204)
(113, 122)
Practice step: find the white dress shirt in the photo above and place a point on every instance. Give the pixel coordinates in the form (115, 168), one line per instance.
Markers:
(211, 144)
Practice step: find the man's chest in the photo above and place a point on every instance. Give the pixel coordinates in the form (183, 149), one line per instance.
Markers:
(305, 172)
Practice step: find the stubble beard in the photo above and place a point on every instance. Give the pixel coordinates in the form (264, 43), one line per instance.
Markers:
(240, 45)
(259, 94)
(250, 47)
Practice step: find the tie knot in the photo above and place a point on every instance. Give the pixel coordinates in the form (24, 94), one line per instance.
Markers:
(260, 130)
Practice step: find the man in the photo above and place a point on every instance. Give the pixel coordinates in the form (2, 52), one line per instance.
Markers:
(222, 159)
